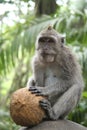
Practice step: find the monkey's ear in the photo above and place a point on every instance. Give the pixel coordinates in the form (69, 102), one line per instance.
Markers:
(63, 39)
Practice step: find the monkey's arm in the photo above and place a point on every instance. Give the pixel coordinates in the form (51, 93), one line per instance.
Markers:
(65, 103)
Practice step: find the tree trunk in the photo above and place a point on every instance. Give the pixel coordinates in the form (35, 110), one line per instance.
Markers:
(45, 7)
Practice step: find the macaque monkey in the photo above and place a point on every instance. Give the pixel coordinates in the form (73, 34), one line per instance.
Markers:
(56, 75)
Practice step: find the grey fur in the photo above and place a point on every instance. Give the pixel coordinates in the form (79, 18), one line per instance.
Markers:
(56, 75)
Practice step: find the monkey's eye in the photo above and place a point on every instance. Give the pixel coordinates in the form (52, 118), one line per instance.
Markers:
(46, 39)
(41, 39)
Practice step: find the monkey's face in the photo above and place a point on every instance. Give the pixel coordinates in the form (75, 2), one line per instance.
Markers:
(46, 49)
(49, 44)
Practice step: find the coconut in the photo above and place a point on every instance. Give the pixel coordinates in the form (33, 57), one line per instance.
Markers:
(25, 109)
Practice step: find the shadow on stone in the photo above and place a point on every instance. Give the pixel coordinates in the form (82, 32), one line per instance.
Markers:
(56, 125)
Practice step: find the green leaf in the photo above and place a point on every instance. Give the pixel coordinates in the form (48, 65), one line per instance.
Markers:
(84, 94)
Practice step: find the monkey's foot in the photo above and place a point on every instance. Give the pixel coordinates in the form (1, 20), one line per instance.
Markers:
(46, 105)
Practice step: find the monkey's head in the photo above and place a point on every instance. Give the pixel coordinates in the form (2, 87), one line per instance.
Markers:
(49, 44)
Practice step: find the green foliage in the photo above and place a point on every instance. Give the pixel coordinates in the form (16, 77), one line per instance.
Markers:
(5, 121)
(79, 114)
(85, 94)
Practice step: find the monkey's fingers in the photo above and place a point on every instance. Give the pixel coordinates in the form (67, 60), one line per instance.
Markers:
(45, 104)
(39, 93)
(34, 90)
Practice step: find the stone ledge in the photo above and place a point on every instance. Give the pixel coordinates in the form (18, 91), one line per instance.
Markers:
(56, 125)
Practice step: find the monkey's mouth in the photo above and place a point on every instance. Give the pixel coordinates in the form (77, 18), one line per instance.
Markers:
(47, 57)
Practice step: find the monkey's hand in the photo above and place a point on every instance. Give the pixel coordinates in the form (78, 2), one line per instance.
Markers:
(39, 91)
(46, 105)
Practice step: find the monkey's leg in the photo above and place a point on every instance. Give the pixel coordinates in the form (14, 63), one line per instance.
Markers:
(64, 105)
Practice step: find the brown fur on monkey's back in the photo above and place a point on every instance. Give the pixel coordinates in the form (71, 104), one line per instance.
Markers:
(25, 109)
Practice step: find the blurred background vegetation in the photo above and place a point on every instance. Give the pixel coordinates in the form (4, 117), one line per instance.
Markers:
(20, 22)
